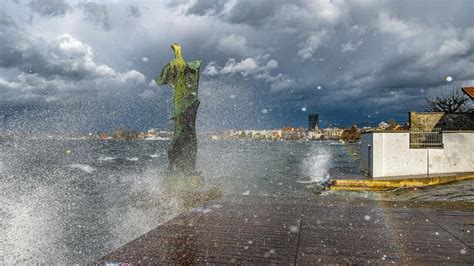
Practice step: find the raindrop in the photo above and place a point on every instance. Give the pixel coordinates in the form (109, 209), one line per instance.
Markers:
(303, 109)
(294, 229)
(319, 87)
(449, 78)
(145, 59)
(367, 218)
(232, 96)
(463, 251)
(265, 111)
(436, 233)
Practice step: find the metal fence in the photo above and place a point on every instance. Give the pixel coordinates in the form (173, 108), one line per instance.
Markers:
(420, 138)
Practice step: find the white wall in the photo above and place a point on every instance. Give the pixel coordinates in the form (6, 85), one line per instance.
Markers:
(391, 155)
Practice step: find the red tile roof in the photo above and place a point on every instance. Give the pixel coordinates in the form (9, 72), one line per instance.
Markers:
(469, 91)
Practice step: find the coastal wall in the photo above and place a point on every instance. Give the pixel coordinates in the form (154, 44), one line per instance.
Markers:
(390, 155)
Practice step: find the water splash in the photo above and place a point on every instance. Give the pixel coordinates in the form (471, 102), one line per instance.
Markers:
(316, 166)
(83, 167)
(106, 158)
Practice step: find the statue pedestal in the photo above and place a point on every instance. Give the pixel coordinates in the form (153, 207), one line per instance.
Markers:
(189, 190)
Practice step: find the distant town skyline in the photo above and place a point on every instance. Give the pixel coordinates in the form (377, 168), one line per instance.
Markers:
(78, 66)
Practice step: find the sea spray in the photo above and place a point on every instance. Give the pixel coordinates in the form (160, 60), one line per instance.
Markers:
(316, 166)
(148, 205)
(83, 167)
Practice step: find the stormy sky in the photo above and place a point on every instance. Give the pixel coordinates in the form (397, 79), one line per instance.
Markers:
(89, 65)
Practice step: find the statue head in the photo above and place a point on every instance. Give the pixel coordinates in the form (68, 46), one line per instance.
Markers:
(177, 51)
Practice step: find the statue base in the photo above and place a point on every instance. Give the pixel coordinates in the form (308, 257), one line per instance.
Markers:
(189, 190)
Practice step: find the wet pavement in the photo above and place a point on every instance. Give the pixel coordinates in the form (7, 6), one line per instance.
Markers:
(326, 229)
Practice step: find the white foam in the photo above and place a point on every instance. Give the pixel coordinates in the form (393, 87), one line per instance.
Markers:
(83, 167)
(316, 166)
(156, 155)
(105, 159)
(202, 209)
(132, 159)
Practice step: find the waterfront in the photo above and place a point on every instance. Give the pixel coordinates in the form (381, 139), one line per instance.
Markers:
(60, 208)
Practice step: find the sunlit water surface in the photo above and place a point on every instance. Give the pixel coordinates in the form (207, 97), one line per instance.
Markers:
(60, 208)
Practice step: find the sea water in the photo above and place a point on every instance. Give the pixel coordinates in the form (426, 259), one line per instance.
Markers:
(71, 201)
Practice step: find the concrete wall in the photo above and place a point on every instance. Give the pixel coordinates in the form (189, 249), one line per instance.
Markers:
(391, 155)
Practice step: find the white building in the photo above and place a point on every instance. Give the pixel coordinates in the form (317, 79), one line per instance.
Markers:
(390, 154)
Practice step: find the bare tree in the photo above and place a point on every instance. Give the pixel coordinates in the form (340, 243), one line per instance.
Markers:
(453, 101)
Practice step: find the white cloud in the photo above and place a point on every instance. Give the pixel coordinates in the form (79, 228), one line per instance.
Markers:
(311, 44)
(350, 46)
(449, 49)
(259, 68)
(245, 67)
(272, 64)
(74, 68)
(453, 48)
(328, 11)
(211, 69)
(390, 24)
(233, 44)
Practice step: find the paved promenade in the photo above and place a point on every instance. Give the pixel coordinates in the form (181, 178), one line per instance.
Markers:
(323, 229)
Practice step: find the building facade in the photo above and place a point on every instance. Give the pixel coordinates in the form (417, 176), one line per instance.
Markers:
(313, 122)
(436, 143)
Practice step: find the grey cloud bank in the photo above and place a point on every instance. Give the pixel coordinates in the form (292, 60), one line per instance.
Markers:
(351, 61)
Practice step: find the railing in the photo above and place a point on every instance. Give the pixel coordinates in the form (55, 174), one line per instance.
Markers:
(420, 138)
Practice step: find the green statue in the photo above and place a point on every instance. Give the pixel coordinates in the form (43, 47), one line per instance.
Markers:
(184, 79)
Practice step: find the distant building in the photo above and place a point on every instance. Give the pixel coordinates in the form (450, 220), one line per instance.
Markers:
(383, 125)
(292, 133)
(332, 133)
(104, 136)
(313, 122)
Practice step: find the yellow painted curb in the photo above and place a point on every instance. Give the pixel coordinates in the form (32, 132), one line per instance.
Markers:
(374, 185)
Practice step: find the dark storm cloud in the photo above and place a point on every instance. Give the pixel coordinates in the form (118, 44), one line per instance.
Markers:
(49, 8)
(96, 13)
(265, 60)
(62, 69)
(134, 11)
(241, 12)
(6, 21)
(62, 59)
(206, 7)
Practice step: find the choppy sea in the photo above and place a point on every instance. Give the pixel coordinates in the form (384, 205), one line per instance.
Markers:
(72, 207)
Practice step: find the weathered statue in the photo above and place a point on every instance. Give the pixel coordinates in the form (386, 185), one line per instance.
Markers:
(184, 79)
